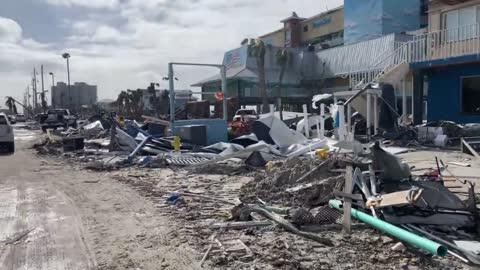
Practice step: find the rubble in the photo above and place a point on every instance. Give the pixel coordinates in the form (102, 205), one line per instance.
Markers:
(271, 199)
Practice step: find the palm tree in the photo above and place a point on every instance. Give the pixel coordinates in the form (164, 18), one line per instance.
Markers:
(257, 49)
(153, 98)
(122, 101)
(282, 58)
(135, 98)
(10, 103)
(44, 102)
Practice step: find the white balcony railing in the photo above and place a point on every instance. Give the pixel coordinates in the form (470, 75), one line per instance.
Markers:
(443, 44)
(447, 43)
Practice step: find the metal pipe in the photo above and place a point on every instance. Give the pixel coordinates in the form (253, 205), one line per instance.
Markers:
(223, 71)
(322, 120)
(404, 102)
(369, 115)
(349, 118)
(171, 96)
(305, 121)
(399, 233)
(140, 146)
(375, 114)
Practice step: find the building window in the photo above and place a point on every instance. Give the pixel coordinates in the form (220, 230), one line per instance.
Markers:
(305, 28)
(462, 23)
(471, 95)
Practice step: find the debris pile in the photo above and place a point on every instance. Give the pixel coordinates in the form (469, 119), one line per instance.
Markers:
(274, 199)
(284, 184)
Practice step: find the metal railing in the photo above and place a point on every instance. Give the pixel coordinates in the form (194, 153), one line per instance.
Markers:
(442, 44)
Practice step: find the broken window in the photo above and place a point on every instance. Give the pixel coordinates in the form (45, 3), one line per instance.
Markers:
(471, 95)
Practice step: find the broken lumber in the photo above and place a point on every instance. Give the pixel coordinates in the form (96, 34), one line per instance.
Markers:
(400, 198)
(308, 174)
(470, 148)
(288, 226)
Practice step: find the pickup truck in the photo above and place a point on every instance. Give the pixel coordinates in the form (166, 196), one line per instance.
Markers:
(58, 118)
(7, 142)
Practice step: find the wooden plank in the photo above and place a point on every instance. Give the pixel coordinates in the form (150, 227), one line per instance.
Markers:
(464, 143)
(347, 206)
(461, 164)
(395, 199)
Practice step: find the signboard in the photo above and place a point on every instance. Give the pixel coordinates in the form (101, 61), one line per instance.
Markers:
(235, 58)
(322, 22)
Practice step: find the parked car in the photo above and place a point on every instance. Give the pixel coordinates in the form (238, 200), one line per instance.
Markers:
(7, 142)
(21, 118)
(12, 119)
(246, 115)
(58, 118)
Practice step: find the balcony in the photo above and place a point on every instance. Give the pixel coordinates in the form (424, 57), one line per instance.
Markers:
(443, 44)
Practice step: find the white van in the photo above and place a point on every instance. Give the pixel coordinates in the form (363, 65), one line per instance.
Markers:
(7, 142)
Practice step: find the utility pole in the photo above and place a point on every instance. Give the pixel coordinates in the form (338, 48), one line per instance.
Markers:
(28, 96)
(34, 85)
(44, 105)
(67, 57)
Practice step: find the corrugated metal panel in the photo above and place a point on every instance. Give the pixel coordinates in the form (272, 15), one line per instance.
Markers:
(355, 57)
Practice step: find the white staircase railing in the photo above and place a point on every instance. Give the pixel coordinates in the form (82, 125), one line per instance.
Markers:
(442, 44)
(386, 64)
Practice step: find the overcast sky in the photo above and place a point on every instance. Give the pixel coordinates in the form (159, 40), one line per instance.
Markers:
(120, 44)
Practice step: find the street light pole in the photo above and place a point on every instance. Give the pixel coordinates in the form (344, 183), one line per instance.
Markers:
(67, 56)
(44, 105)
(53, 78)
(51, 90)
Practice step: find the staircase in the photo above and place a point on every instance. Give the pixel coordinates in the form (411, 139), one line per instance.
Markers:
(443, 44)
(389, 68)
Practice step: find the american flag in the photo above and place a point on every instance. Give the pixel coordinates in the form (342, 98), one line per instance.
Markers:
(232, 59)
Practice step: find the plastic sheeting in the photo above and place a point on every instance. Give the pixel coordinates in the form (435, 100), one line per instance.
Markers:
(270, 128)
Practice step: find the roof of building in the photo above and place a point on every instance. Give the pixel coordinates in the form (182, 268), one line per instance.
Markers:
(303, 19)
(233, 73)
(271, 33)
(323, 13)
(294, 16)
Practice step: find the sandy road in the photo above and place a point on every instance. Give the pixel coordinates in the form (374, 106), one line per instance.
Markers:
(55, 217)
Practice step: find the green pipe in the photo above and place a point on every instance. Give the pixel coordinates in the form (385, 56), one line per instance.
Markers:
(400, 234)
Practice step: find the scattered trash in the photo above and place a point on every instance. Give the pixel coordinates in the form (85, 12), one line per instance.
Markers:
(175, 198)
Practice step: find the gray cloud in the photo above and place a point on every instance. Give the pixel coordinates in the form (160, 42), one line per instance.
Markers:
(119, 44)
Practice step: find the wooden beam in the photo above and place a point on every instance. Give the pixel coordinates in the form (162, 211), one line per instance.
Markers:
(347, 206)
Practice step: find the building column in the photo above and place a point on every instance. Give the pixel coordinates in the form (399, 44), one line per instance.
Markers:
(418, 81)
(404, 102)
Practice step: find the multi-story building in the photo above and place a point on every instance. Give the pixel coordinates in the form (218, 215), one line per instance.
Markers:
(80, 95)
(447, 68)
(435, 67)
(325, 29)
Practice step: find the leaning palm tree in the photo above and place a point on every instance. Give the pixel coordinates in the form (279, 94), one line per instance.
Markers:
(257, 49)
(10, 103)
